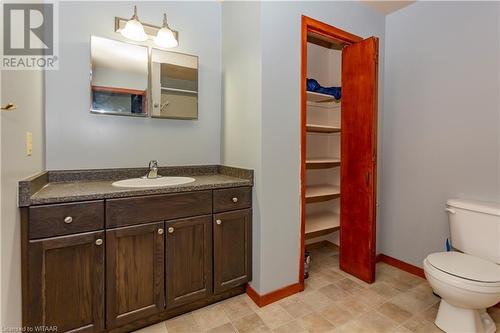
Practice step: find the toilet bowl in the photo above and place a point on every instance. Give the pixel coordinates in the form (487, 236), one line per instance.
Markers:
(468, 281)
(467, 286)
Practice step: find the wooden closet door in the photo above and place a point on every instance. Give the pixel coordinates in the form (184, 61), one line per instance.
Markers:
(358, 158)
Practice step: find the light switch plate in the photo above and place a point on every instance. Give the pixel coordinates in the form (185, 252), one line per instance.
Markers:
(29, 143)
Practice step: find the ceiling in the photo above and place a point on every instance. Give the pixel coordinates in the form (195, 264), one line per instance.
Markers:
(387, 7)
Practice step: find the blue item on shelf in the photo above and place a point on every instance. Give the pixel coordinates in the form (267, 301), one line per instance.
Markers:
(314, 86)
(448, 245)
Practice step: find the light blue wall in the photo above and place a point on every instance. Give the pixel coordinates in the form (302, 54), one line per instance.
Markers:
(78, 139)
(441, 120)
(271, 117)
(241, 137)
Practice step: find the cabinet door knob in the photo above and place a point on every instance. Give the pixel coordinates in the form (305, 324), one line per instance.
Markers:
(219, 222)
(98, 241)
(160, 231)
(170, 230)
(68, 219)
(235, 199)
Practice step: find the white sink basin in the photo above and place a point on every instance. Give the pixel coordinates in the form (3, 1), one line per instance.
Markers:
(156, 182)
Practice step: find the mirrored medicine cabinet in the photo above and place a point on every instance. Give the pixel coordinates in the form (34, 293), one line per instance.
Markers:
(136, 80)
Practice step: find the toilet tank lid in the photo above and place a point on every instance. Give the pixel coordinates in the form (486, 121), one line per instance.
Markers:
(486, 207)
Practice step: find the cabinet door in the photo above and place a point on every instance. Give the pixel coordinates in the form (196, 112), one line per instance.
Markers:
(359, 157)
(66, 282)
(188, 260)
(232, 249)
(134, 273)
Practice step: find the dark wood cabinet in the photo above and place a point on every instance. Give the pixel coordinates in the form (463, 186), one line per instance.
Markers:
(120, 264)
(66, 282)
(134, 273)
(188, 260)
(232, 249)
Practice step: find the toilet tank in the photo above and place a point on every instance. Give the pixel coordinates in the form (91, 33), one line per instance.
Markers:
(475, 228)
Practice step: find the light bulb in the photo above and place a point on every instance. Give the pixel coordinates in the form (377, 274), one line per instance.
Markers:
(165, 37)
(133, 29)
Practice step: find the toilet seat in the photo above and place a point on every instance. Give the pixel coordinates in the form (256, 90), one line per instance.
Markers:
(457, 281)
(466, 266)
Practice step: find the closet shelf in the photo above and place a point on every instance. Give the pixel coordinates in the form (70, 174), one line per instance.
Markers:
(315, 193)
(321, 223)
(320, 98)
(321, 129)
(322, 162)
(179, 90)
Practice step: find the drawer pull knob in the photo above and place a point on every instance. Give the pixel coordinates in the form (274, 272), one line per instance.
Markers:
(219, 222)
(68, 219)
(170, 230)
(98, 241)
(235, 199)
(160, 231)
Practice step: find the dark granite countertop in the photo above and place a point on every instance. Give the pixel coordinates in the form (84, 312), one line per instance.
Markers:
(81, 185)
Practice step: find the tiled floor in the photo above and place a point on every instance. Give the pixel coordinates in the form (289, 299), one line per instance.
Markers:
(332, 302)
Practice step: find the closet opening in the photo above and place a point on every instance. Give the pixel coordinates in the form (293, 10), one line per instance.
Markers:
(338, 151)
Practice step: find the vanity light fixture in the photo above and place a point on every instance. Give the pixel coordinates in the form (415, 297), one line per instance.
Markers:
(138, 31)
(133, 29)
(165, 36)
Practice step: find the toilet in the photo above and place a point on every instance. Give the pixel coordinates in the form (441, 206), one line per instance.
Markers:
(468, 278)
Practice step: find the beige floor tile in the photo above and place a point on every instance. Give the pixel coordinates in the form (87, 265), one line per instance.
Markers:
(237, 307)
(337, 315)
(348, 285)
(291, 327)
(226, 328)
(397, 283)
(420, 325)
(210, 317)
(370, 297)
(416, 299)
(400, 329)
(430, 313)
(384, 269)
(407, 302)
(315, 323)
(316, 280)
(274, 316)
(250, 324)
(333, 292)
(423, 294)
(385, 289)
(355, 305)
(156, 328)
(182, 324)
(331, 275)
(394, 312)
(377, 322)
(250, 302)
(316, 299)
(353, 326)
(295, 307)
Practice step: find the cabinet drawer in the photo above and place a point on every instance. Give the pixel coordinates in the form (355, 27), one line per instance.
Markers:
(128, 211)
(232, 198)
(64, 219)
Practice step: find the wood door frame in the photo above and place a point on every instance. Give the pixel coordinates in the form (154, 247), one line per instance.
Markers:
(340, 36)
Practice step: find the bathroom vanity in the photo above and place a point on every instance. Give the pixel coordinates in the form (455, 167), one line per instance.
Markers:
(96, 257)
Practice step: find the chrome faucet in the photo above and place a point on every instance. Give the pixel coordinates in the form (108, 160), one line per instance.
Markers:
(153, 170)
